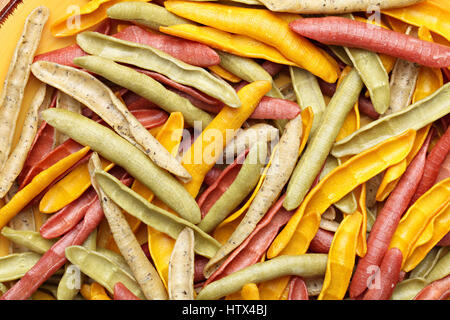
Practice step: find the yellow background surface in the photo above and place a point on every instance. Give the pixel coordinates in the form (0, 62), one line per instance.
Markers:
(10, 31)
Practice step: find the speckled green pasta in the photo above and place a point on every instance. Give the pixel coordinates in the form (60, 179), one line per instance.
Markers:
(119, 151)
(321, 143)
(403, 83)
(101, 269)
(15, 265)
(181, 267)
(147, 14)
(247, 69)
(151, 215)
(14, 164)
(246, 138)
(305, 265)
(308, 93)
(28, 239)
(332, 6)
(241, 187)
(13, 86)
(237, 2)
(144, 86)
(143, 270)
(416, 116)
(98, 97)
(65, 101)
(372, 73)
(284, 157)
(156, 60)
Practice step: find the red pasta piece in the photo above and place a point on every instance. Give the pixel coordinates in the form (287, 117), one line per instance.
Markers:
(65, 219)
(432, 165)
(297, 289)
(55, 257)
(444, 171)
(69, 216)
(134, 101)
(66, 55)
(321, 242)
(366, 107)
(446, 73)
(62, 56)
(445, 121)
(191, 52)
(49, 263)
(272, 68)
(250, 251)
(85, 111)
(104, 27)
(212, 176)
(42, 145)
(121, 292)
(150, 118)
(199, 264)
(189, 90)
(63, 150)
(445, 241)
(43, 192)
(223, 182)
(356, 34)
(267, 108)
(275, 108)
(387, 220)
(389, 274)
(212, 108)
(144, 248)
(437, 290)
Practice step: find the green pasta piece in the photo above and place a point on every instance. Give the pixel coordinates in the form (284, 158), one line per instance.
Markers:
(372, 73)
(305, 265)
(101, 269)
(341, 54)
(116, 258)
(156, 60)
(440, 270)
(29, 239)
(119, 151)
(147, 14)
(151, 215)
(247, 69)
(144, 86)
(428, 263)
(241, 187)
(308, 93)
(15, 265)
(3, 289)
(408, 289)
(415, 117)
(70, 284)
(317, 150)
